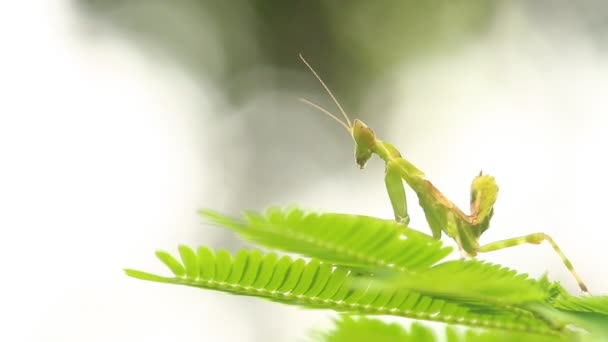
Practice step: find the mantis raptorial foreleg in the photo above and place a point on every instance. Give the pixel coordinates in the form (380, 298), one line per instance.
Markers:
(535, 239)
(442, 215)
(396, 193)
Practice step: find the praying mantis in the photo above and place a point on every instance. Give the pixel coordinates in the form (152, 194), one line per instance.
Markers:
(442, 215)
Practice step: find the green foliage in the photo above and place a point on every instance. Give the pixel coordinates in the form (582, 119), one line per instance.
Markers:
(368, 266)
(362, 329)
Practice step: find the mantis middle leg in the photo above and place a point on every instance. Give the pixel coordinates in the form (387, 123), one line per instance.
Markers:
(535, 238)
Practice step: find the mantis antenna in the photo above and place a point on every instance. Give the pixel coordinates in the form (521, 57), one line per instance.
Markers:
(325, 111)
(348, 125)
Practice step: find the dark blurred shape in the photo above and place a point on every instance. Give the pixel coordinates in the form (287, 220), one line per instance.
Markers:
(350, 43)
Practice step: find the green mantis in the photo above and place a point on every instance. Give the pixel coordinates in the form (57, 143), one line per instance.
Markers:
(442, 215)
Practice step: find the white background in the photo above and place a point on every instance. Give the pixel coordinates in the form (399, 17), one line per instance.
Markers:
(97, 171)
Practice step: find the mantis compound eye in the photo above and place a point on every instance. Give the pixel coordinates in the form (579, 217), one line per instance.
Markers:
(363, 135)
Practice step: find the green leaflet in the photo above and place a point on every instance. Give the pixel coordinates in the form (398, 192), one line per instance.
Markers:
(320, 285)
(473, 281)
(589, 313)
(595, 325)
(565, 301)
(373, 244)
(351, 240)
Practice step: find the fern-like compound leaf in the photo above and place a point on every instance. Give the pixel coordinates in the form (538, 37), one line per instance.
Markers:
(356, 241)
(373, 244)
(318, 284)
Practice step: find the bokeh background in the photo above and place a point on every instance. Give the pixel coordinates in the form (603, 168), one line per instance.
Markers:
(120, 118)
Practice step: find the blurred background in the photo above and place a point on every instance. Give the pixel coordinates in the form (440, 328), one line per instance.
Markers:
(120, 118)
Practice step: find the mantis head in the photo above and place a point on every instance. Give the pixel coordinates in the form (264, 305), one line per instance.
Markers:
(365, 139)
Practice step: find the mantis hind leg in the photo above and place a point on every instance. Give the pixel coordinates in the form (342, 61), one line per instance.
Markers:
(535, 238)
(396, 193)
